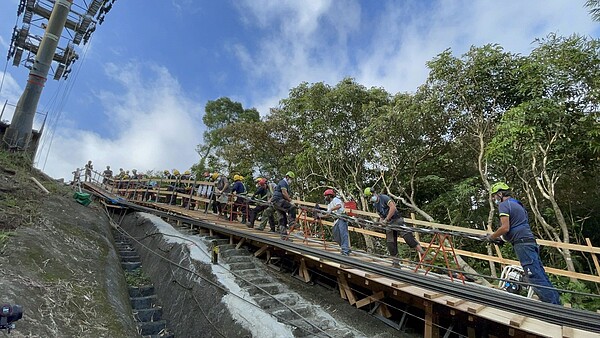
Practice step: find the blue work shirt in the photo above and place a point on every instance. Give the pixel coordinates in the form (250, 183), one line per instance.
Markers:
(382, 207)
(238, 187)
(277, 194)
(518, 219)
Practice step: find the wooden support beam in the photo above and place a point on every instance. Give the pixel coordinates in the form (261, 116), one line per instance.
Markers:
(431, 330)
(303, 271)
(240, 243)
(342, 292)
(384, 311)
(370, 299)
(347, 290)
(261, 250)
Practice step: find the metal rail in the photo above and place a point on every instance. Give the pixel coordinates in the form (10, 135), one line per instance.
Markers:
(555, 314)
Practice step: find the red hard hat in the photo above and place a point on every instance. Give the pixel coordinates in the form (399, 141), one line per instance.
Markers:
(262, 181)
(329, 192)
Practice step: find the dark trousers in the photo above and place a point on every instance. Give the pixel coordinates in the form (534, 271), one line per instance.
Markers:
(285, 208)
(254, 213)
(392, 235)
(240, 207)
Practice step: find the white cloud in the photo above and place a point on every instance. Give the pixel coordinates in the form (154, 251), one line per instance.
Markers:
(156, 126)
(328, 40)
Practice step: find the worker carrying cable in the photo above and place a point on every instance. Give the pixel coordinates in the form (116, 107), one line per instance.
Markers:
(514, 228)
(282, 200)
(340, 226)
(388, 213)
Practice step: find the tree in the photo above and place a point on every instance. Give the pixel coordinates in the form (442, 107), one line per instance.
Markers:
(553, 134)
(221, 148)
(594, 8)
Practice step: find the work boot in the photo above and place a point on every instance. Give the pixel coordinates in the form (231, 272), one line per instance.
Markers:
(249, 225)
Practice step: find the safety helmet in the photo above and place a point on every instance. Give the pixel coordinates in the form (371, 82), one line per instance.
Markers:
(166, 172)
(329, 192)
(187, 172)
(214, 176)
(258, 179)
(498, 186)
(262, 181)
(290, 174)
(107, 167)
(367, 192)
(176, 172)
(237, 177)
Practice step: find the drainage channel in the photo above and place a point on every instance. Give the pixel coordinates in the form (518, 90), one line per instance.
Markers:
(144, 302)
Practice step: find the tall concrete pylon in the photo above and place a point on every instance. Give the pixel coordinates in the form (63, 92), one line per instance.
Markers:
(19, 132)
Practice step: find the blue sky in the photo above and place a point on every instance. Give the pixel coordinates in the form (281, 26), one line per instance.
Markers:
(136, 96)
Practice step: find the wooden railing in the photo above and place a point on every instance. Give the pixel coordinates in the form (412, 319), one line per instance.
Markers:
(132, 188)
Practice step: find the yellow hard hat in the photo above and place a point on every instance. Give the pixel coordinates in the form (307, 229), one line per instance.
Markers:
(166, 172)
(214, 176)
(187, 172)
(176, 172)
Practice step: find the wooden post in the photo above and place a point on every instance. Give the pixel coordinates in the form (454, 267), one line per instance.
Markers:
(431, 330)
(594, 258)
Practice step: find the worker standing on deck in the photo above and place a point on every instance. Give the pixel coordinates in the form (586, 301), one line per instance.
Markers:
(88, 171)
(239, 190)
(262, 194)
(269, 212)
(220, 194)
(340, 226)
(107, 175)
(514, 228)
(282, 200)
(389, 215)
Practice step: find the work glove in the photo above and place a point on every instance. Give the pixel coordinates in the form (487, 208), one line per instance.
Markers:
(498, 241)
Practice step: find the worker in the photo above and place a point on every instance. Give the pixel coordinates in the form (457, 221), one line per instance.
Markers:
(282, 200)
(340, 226)
(88, 171)
(262, 194)
(134, 174)
(121, 173)
(239, 190)
(220, 194)
(76, 176)
(514, 228)
(269, 212)
(107, 174)
(389, 215)
(187, 175)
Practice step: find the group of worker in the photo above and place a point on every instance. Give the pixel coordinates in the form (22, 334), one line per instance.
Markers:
(272, 199)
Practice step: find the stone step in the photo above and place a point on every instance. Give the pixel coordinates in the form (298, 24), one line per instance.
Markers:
(151, 328)
(303, 310)
(268, 302)
(130, 266)
(141, 291)
(232, 252)
(127, 253)
(237, 259)
(148, 315)
(130, 258)
(272, 289)
(146, 302)
(242, 266)
(160, 335)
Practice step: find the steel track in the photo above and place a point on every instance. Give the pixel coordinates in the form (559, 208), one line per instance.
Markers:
(555, 314)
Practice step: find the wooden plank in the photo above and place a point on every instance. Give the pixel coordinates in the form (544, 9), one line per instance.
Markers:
(454, 302)
(567, 332)
(370, 299)
(432, 295)
(240, 243)
(516, 320)
(475, 308)
(261, 250)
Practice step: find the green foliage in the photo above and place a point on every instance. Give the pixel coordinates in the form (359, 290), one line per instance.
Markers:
(137, 277)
